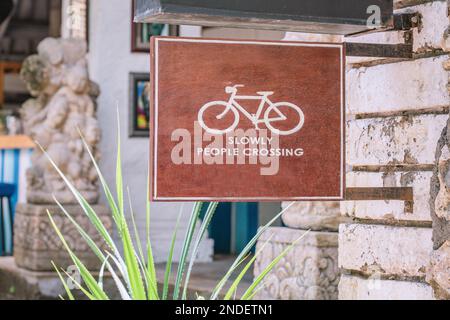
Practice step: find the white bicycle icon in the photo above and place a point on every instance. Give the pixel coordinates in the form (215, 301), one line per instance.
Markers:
(233, 106)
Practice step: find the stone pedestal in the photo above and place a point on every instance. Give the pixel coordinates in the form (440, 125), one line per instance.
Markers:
(310, 270)
(21, 284)
(63, 104)
(36, 243)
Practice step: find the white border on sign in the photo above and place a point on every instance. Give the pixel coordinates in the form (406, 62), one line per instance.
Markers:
(155, 125)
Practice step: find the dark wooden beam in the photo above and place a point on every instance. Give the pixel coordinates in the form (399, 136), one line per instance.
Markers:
(383, 193)
(406, 21)
(401, 51)
(54, 24)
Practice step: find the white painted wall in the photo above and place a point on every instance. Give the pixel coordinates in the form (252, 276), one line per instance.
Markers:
(110, 62)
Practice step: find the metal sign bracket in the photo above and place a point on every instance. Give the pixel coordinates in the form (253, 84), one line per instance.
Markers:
(383, 193)
(402, 22)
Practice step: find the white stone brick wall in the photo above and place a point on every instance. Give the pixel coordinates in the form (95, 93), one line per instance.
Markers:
(396, 114)
(397, 111)
(389, 250)
(391, 210)
(357, 288)
(391, 140)
(407, 85)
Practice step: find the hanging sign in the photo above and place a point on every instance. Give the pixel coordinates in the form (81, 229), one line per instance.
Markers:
(235, 120)
(314, 16)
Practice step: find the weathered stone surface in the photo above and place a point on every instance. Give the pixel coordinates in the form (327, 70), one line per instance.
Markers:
(314, 215)
(38, 76)
(438, 273)
(439, 193)
(434, 22)
(308, 272)
(74, 50)
(394, 140)
(356, 288)
(395, 258)
(446, 65)
(387, 250)
(442, 200)
(312, 37)
(58, 77)
(390, 210)
(36, 243)
(50, 49)
(422, 84)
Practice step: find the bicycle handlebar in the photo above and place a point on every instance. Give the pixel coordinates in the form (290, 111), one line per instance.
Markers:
(233, 88)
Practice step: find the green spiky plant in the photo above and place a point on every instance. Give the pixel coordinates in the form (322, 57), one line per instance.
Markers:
(133, 271)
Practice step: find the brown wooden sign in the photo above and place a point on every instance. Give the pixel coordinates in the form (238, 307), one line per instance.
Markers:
(235, 120)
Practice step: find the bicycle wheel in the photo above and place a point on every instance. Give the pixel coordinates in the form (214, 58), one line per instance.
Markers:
(211, 112)
(282, 114)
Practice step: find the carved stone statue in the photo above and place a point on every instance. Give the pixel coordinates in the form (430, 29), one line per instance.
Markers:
(64, 102)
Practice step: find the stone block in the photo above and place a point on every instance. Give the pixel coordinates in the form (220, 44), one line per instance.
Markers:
(20, 284)
(356, 288)
(390, 210)
(308, 272)
(314, 215)
(394, 140)
(440, 192)
(401, 252)
(438, 273)
(36, 243)
(421, 82)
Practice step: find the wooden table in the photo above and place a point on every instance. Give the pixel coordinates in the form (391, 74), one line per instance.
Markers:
(16, 142)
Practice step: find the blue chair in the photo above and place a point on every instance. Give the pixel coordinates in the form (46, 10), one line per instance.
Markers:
(7, 190)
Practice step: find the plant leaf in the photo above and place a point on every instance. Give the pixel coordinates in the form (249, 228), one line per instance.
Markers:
(119, 182)
(186, 246)
(204, 226)
(95, 220)
(107, 191)
(244, 252)
(95, 289)
(149, 280)
(271, 265)
(135, 278)
(80, 287)
(170, 258)
(83, 233)
(66, 287)
(122, 290)
(150, 262)
(238, 279)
